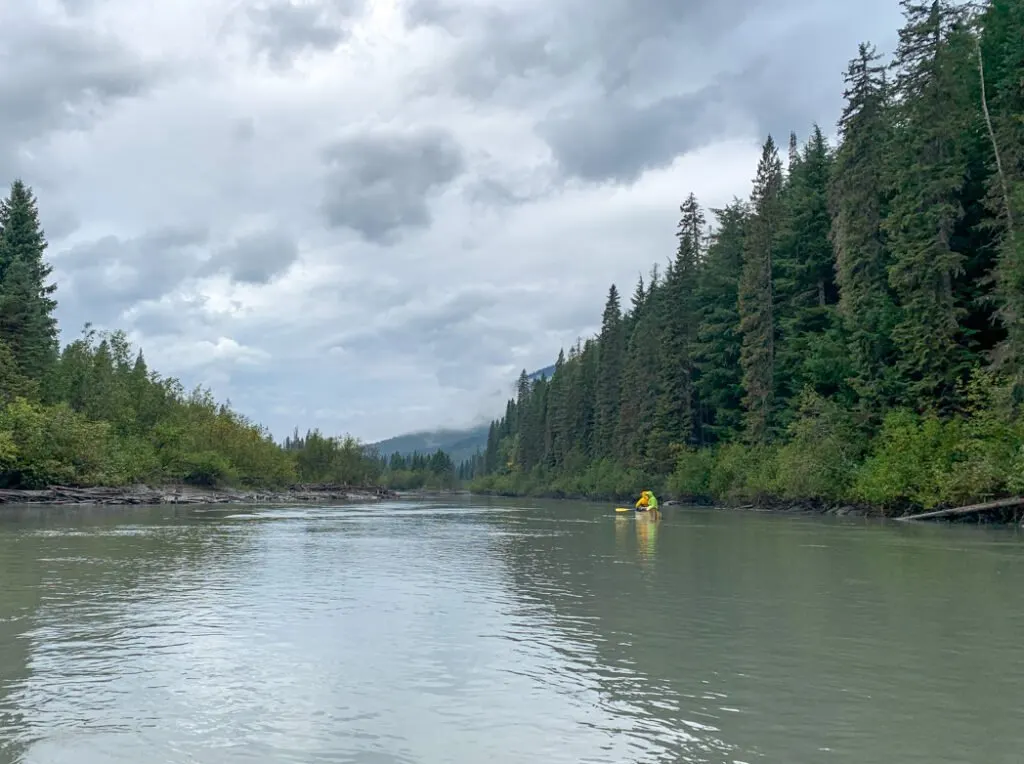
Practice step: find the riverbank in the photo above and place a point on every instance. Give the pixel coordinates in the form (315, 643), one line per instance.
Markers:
(142, 494)
(1003, 511)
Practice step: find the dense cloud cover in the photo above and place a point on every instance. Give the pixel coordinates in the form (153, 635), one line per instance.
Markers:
(369, 215)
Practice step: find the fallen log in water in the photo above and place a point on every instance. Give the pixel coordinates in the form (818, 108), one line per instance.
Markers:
(1016, 501)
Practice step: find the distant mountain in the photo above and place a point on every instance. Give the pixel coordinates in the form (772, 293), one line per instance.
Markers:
(458, 444)
(547, 371)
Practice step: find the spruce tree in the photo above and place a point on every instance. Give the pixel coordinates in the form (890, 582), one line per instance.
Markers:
(13, 384)
(757, 322)
(629, 429)
(611, 359)
(640, 386)
(718, 348)
(27, 323)
(674, 415)
(867, 305)
(933, 112)
(810, 349)
(555, 433)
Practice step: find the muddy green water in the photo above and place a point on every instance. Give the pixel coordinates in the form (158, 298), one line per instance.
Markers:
(504, 632)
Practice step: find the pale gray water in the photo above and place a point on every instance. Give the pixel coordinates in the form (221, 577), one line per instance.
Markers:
(504, 633)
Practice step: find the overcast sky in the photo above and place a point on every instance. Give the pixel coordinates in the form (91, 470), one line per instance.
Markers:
(369, 215)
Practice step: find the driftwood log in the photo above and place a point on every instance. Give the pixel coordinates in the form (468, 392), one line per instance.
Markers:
(1016, 501)
(63, 495)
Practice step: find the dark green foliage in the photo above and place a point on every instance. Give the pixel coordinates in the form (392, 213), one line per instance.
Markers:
(1001, 52)
(853, 332)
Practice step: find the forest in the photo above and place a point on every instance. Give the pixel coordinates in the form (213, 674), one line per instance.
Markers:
(93, 414)
(851, 332)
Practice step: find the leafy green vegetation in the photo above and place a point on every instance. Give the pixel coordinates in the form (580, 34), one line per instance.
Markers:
(94, 414)
(852, 332)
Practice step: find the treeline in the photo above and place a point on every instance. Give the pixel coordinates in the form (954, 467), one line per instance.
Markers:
(320, 459)
(94, 414)
(434, 471)
(853, 331)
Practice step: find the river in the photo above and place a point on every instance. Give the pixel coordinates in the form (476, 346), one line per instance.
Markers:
(477, 631)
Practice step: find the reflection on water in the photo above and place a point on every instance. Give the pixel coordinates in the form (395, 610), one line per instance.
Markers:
(647, 532)
(464, 633)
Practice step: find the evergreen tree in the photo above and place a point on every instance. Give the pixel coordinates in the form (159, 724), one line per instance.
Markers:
(555, 436)
(676, 402)
(27, 323)
(640, 384)
(718, 347)
(757, 321)
(13, 384)
(611, 354)
(810, 348)
(867, 305)
(933, 113)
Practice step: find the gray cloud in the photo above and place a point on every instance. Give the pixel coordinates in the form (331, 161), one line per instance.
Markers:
(621, 141)
(645, 81)
(111, 273)
(184, 315)
(496, 46)
(255, 258)
(462, 337)
(243, 130)
(78, 7)
(618, 41)
(284, 29)
(381, 182)
(62, 77)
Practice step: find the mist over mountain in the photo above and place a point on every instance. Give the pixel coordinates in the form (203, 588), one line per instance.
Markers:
(459, 444)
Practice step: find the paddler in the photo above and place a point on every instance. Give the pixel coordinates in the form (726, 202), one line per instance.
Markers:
(647, 501)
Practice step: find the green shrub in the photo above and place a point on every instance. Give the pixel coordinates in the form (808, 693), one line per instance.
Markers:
(822, 454)
(207, 468)
(52, 445)
(691, 478)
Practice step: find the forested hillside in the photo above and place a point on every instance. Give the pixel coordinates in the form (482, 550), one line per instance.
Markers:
(93, 413)
(460, 445)
(852, 331)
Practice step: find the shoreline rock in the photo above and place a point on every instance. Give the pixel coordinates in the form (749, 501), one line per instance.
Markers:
(179, 494)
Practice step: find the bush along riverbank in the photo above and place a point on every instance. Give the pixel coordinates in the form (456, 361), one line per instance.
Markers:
(852, 334)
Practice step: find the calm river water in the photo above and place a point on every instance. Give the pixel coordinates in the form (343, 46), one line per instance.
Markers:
(528, 632)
